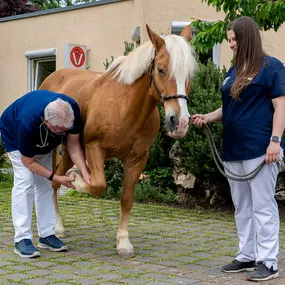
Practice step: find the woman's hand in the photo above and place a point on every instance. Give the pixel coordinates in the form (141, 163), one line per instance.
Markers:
(273, 152)
(199, 120)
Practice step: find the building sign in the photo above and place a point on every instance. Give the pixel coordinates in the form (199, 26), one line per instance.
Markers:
(75, 56)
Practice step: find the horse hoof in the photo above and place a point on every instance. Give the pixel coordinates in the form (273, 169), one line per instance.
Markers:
(125, 253)
(60, 235)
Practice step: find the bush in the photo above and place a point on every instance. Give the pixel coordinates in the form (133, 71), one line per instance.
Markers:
(2, 153)
(205, 97)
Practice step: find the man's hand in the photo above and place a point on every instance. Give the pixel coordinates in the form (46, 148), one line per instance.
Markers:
(273, 152)
(64, 180)
(87, 177)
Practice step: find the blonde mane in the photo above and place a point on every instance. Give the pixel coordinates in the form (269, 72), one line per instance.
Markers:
(127, 69)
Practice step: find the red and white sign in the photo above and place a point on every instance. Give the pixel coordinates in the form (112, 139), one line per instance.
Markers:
(75, 56)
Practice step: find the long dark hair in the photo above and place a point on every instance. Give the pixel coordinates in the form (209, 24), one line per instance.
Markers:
(250, 54)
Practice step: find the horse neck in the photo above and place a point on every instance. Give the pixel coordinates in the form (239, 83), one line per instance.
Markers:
(141, 98)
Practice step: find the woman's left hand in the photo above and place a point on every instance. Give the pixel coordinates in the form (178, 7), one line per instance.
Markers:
(273, 152)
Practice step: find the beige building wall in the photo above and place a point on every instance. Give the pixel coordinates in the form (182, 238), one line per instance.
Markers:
(103, 28)
(159, 14)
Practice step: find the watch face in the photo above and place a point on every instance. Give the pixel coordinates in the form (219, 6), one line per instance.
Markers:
(275, 139)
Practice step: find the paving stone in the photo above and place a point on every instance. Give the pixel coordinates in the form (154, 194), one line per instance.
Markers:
(158, 283)
(84, 263)
(108, 267)
(2, 271)
(61, 267)
(38, 281)
(66, 259)
(3, 263)
(210, 262)
(85, 281)
(41, 272)
(59, 276)
(45, 264)
(84, 271)
(16, 276)
(109, 276)
(134, 281)
(13, 283)
(60, 283)
(185, 258)
(20, 267)
(169, 263)
(181, 280)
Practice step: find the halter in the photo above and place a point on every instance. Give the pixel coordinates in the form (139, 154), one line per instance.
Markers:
(162, 97)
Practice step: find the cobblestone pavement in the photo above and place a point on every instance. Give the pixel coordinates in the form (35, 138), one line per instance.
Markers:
(173, 246)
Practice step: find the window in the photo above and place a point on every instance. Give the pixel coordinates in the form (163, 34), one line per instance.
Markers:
(213, 54)
(41, 63)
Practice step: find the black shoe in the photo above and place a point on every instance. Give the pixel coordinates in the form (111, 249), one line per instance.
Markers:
(238, 266)
(262, 273)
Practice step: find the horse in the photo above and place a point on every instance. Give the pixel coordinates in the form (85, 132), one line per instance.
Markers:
(119, 110)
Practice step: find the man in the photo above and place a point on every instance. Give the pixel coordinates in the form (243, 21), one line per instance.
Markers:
(31, 128)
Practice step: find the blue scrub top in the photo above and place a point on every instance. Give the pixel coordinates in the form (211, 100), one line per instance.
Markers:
(248, 121)
(21, 123)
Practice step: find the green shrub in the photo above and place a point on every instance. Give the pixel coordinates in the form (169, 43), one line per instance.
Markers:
(2, 153)
(114, 178)
(146, 192)
(205, 97)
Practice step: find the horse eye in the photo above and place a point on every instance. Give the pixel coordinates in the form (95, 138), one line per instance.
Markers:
(160, 71)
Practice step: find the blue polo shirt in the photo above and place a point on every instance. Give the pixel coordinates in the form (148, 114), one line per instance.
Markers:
(248, 121)
(21, 123)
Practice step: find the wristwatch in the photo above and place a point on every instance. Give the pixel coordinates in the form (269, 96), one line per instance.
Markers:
(275, 139)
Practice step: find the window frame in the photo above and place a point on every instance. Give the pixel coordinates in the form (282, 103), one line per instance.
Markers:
(34, 59)
(176, 28)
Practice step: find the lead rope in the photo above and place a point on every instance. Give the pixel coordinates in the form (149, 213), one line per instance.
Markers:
(235, 177)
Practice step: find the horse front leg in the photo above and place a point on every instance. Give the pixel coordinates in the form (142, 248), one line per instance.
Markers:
(64, 164)
(59, 229)
(132, 170)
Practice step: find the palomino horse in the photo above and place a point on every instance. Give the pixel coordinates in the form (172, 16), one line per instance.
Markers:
(120, 114)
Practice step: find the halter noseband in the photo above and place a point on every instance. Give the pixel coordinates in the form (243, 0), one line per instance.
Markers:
(162, 97)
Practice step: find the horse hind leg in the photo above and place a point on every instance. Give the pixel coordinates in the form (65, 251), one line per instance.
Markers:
(132, 170)
(65, 163)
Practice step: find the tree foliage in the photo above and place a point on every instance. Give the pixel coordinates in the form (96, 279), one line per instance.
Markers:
(15, 7)
(51, 4)
(269, 14)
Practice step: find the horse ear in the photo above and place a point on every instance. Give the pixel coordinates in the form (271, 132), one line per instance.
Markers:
(156, 40)
(186, 33)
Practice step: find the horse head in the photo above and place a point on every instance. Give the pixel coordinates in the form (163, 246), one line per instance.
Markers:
(171, 71)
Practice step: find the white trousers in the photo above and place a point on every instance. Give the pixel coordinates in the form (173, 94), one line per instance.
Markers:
(30, 188)
(256, 211)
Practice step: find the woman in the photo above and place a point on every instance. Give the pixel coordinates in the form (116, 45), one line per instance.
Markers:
(253, 116)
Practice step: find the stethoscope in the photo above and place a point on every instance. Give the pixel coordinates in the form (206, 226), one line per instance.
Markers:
(44, 142)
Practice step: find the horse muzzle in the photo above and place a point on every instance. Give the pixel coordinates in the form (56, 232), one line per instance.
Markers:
(177, 128)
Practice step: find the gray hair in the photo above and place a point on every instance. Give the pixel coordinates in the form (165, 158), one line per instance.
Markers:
(59, 113)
